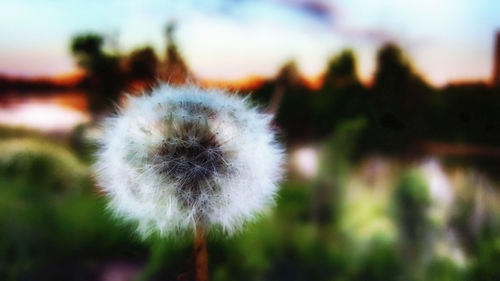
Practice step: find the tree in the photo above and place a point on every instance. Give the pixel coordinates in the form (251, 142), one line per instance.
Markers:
(341, 70)
(142, 64)
(175, 70)
(104, 78)
(398, 102)
(342, 96)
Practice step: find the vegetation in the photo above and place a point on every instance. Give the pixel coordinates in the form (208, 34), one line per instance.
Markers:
(367, 214)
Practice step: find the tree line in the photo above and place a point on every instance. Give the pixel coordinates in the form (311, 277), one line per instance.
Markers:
(400, 107)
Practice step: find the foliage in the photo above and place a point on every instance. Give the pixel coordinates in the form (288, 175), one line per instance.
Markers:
(104, 78)
(49, 215)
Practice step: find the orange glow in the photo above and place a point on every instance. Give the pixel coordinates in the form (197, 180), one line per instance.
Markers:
(76, 101)
(244, 84)
(253, 82)
(68, 79)
(313, 83)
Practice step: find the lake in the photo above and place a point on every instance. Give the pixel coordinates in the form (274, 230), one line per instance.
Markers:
(57, 111)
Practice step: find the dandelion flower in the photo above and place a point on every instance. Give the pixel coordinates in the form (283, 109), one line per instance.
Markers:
(185, 157)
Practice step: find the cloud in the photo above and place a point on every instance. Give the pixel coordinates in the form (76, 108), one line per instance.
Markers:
(320, 10)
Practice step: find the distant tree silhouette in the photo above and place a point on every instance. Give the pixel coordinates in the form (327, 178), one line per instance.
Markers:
(290, 100)
(392, 79)
(401, 109)
(398, 101)
(341, 70)
(341, 95)
(467, 113)
(86, 48)
(288, 78)
(104, 78)
(293, 101)
(289, 75)
(142, 64)
(174, 70)
(305, 114)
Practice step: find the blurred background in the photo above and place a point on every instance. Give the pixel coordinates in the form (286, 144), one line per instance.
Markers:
(388, 109)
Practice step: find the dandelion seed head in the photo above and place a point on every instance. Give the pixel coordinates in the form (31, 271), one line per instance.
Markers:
(183, 156)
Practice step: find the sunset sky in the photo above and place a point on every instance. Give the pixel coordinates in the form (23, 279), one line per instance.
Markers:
(447, 40)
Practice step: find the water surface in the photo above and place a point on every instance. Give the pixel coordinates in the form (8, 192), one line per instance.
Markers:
(46, 111)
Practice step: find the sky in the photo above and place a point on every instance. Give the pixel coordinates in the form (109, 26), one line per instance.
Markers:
(447, 40)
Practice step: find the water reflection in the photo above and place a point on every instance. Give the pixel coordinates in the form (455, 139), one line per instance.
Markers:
(55, 112)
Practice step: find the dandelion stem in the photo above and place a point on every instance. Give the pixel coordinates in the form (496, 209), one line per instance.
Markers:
(200, 255)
